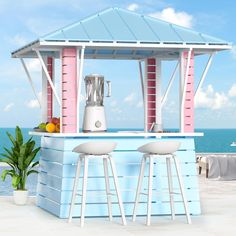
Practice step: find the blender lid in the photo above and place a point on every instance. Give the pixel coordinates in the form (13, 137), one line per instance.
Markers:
(92, 76)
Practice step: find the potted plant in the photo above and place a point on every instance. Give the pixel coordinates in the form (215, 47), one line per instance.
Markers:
(20, 158)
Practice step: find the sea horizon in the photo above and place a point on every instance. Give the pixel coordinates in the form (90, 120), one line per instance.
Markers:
(214, 140)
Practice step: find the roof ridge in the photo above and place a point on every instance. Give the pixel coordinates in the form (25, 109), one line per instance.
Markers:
(172, 27)
(125, 23)
(78, 22)
(150, 27)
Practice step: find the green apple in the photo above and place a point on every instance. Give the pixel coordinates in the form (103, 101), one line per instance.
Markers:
(42, 126)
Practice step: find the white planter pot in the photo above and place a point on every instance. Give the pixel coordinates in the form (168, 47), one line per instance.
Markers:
(20, 197)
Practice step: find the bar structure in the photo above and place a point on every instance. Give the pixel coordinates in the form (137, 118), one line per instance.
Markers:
(187, 90)
(50, 68)
(58, 165)
(150, 77)
(121, 34)
(117, 34)
(69, 90)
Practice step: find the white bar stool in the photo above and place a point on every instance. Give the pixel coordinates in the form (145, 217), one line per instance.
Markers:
(161, 149)
(91, 150)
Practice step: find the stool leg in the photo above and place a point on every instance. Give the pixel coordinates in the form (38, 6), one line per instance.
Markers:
(170, 185)
(108, 192)
(199, 170)
(117, 191)
(140, 181)
(84, 191)
(76, 181)
(182, 190)
(150, 183)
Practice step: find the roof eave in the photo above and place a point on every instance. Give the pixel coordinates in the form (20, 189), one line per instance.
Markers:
(27, 48)
(21, 52)
(146, 45)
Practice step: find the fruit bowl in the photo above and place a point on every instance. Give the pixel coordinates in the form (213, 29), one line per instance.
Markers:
(39, 130)
(53, 126)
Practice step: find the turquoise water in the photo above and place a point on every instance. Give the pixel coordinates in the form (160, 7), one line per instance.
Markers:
(214, 140)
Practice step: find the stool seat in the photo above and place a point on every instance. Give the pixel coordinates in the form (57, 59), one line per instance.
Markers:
(95, 148)
(160, 148)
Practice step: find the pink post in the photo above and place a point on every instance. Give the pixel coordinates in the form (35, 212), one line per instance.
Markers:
(151, 91)
(49, 89)
(189, 97)
(69, 90)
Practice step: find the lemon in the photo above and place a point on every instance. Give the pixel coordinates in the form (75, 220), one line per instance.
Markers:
(50, 128)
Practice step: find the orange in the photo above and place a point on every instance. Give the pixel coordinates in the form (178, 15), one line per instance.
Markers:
(50, 128)
(58, 128)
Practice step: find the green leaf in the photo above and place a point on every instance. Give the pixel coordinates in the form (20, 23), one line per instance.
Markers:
(15, 181)
(29, 140)
(7, 172)
(29, 147)
(5, 155)
(31, 172)
(8, 161)
(31, 157)
(8, 151)
(34, 164)
(22, 157)
(10, 155)
(19, 136)
(12, 139)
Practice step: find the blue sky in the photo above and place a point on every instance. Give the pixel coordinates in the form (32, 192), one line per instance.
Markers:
(24, 21)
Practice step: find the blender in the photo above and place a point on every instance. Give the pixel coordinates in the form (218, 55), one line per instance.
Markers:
(94, 114)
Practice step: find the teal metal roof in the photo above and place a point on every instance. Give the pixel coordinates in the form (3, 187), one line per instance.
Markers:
(119, 25)
(121, 34)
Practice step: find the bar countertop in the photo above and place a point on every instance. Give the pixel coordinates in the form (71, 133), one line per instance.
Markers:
(133, 134)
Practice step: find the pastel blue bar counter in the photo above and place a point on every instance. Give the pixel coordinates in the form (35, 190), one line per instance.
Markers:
(58, 166)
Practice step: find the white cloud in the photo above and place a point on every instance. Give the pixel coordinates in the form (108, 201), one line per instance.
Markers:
(170, 107)
(139, 104)
(130, 98)
(34, 65)
(232, 91)
(113, 103)
(44, 25)
(208, 98)
(233, 52)
(179, 18)
(32, 104)
(18, 40)
(8, 107)
(133, 7)
(116, 110)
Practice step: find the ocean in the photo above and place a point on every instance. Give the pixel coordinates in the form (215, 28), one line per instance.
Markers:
(214, 140)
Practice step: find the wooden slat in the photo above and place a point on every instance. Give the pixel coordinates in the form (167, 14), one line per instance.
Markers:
(99, 196)
(124, 144)
(68, 157)
(129, 182)
(96, 169)
(62, 211)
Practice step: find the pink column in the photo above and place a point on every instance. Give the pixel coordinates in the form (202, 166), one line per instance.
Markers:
(49, 89)
(189, 97)
(151, 91)
(69, 90)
